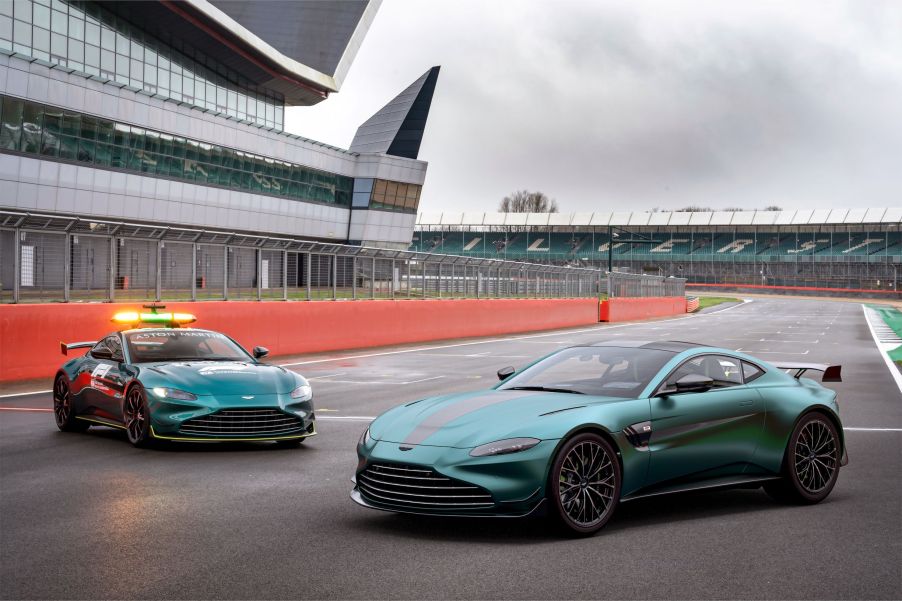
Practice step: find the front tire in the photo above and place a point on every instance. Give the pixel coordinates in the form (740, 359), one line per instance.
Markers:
(584, 484)
(136, 415)
(810, 464)
(64, 408)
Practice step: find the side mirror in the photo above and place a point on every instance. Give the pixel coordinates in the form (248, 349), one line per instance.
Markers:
(505, 372)
(694, 383)
(102, 353)
(260, 352)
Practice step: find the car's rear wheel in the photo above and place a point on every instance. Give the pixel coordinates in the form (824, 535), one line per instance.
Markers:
(584, 484)
(63, 408)
(810, 464)
(137, 417)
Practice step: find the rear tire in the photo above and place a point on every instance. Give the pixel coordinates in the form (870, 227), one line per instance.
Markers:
(136, 416)
(584, 484)
(810, 463)
(64, 409)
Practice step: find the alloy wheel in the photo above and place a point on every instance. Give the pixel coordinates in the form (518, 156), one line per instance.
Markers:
(586, 484)
(816, 456)
(62, 402)
(135, 415)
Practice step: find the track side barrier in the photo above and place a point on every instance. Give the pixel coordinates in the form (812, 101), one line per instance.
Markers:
(632, 309)
(30, 334)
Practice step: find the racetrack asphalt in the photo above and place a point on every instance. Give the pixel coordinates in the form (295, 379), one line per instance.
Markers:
(87, 516)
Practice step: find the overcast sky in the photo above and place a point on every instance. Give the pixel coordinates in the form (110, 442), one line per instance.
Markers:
(637, 105)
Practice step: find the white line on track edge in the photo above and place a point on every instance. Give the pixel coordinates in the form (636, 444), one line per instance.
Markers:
(894, 372)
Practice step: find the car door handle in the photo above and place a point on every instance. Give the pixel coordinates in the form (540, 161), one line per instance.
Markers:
(746, 403)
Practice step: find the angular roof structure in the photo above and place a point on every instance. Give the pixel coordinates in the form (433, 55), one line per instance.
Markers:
(397, 129)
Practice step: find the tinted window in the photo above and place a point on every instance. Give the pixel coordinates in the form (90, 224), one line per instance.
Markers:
(751, 372)
(182, 345)
(600, 370)
(100, 346)
(113, 343)
(723, 370)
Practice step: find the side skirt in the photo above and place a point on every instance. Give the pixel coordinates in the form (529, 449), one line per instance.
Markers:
(100, 421)
(726, 482)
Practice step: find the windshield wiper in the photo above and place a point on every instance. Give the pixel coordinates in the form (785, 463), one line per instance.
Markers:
(544, 389)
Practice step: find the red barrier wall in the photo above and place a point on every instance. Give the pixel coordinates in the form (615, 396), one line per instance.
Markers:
(632, 309)
(30, 334)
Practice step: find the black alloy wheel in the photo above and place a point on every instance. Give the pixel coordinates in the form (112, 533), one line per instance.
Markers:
(63, 411)
(584, 484)
(811, 463)
(137, 417)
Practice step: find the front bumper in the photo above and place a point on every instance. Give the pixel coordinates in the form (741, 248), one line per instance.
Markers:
(515, 481)
(172, 420)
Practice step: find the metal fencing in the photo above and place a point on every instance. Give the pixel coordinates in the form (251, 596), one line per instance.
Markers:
(47, 258)
(633, 285)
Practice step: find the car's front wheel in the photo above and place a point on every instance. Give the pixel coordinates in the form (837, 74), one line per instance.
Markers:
(137, 417)
(63, 408)
(811, 462)
(584, 484)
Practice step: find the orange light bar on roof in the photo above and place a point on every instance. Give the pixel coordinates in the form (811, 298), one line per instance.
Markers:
(164, 319)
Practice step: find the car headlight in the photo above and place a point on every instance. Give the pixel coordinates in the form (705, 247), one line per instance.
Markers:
(174, 393)
(365, 438)
(503, 447)
(302, 391)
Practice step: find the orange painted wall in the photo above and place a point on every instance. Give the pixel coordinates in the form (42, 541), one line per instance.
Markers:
(30, 334)
(632, 309)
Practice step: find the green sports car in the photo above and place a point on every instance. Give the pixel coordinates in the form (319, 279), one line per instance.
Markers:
(183, 384)
(588, 427)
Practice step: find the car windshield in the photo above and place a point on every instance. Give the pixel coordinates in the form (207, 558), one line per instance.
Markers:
(182, 345)
(595, 370)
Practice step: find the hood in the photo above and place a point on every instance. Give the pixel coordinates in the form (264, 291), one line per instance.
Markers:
(220, 377)
(471, 419)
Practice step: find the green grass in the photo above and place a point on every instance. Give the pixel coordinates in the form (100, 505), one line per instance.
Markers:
(893, 318)
(710, 301)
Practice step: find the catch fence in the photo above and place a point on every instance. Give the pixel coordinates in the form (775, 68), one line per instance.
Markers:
(46, 258)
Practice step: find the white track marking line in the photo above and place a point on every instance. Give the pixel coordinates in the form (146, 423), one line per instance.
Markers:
(874, 429)
(894, 372)
(25, 409)
(10, 396)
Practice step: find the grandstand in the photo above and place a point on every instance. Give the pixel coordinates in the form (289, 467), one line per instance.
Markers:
(824, 248)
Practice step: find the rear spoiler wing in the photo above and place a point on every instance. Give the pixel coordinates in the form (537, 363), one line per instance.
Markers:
(832, 373)
(65, 348)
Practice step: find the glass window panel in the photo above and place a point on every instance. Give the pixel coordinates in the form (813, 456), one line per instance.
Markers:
(136, 138)
(41, 16)
(107, 38)
(6, 8)
(22, 33)
(107, 61)
(68, 147)
(163, 79)
(71, 124)
(118, 157)
(76, 51)
(58, 22)
(379, 187)
(104, 130)
(137, 71)
(120, 135)
(6, 28)
(150, 57)
(88, 127)
(151, 141)
(76, 28)
(92, 33)
(50, 141)
(102, 154)
(122, 44)
(121, 66)
(40, 39)
(30, 140)
(85, 151)
(92, 56)
(22, 10)
(136, 49)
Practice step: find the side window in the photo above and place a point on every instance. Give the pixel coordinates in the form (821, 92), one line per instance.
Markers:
(751, 372)
(725, 371)
(115, 345)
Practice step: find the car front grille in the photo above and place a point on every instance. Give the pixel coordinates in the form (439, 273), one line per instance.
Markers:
(419, 487)
(244, 422)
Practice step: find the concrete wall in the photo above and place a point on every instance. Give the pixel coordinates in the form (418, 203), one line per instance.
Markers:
(30, 334)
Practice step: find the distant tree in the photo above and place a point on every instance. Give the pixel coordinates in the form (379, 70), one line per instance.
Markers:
(523, 201)
(773, 208)
(692, 208)
(733, 209)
